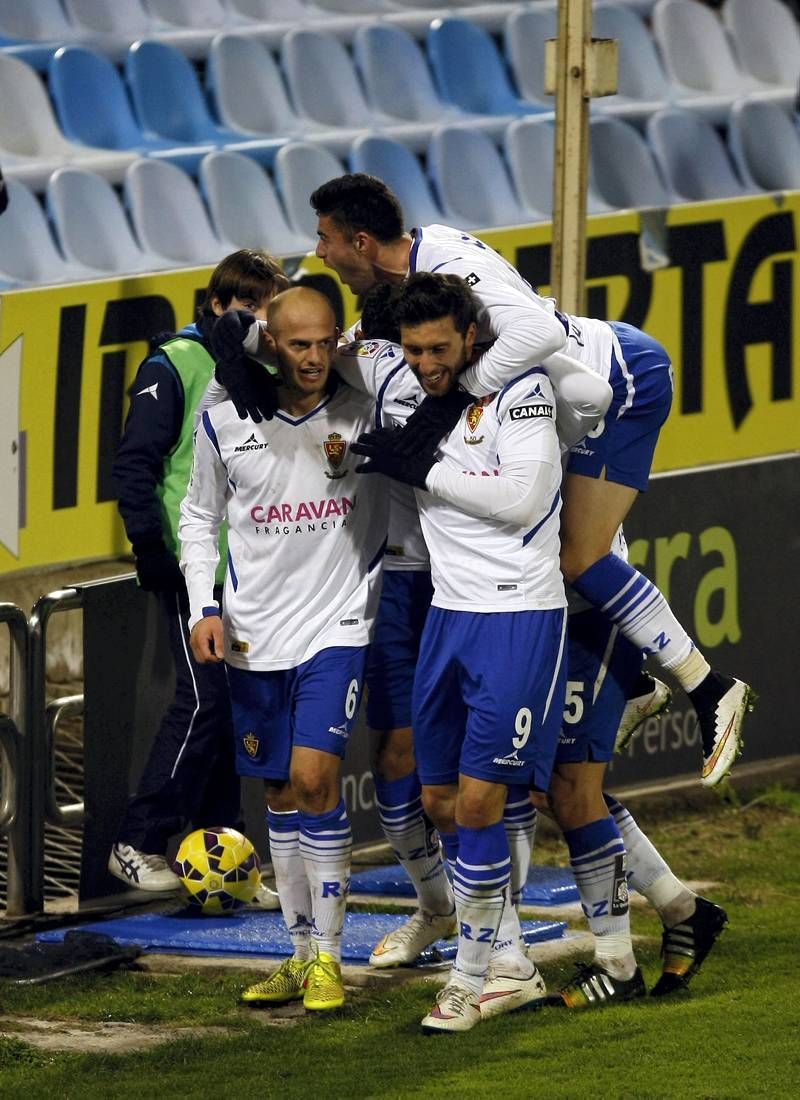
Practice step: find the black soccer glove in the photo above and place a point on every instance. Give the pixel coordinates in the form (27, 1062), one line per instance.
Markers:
(229, 332)
(251, 388)
(431, 421)
(384, 458)
(157, 567)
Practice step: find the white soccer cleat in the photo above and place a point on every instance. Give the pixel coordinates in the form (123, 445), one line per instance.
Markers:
(457, 1009)
(721, 730)
(650, 702)
(511, 982)
(405, 944)
(142, 870)
(266, 899)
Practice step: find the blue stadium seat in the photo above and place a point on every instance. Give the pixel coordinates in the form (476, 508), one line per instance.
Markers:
(92, 226)
(398, 80)
(28, 127)
(692, 157)
(470, 72)
(299, 169)
(169, 216)
(245, 208)
(94, 108)
(170, 104)
(28, 254)
(472, 181)
(398, 167)
(764, 141)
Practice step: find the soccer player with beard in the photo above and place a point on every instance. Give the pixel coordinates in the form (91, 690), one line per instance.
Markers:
(306, 539)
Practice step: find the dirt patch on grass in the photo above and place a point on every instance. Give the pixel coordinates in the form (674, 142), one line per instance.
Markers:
(96, 1038)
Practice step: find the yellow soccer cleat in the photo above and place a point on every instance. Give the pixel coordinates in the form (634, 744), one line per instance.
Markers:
(285, 985)
(323, 988)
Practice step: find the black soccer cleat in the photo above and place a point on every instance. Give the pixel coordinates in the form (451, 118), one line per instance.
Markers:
(685, 946)
(593, 987)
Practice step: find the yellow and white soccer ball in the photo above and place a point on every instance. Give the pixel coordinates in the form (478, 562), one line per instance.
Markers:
(219, 869)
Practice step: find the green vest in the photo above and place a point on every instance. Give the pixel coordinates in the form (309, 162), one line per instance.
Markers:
(195, 368)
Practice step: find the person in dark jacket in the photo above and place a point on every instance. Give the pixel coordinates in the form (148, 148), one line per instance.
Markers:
(189, 776)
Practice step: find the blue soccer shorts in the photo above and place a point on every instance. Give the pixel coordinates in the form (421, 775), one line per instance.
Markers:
(313, 706)
(488, 696)
(392, 660)
(624, 442)
(602, 668)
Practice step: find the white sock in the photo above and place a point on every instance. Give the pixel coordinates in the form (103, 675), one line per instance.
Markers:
(597, 858)
(326, 843)
(481, 875)
(519, 821)
(414, 841)
(291, 881)
(648, 872)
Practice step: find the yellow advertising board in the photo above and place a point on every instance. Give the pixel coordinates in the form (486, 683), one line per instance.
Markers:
(717, 283)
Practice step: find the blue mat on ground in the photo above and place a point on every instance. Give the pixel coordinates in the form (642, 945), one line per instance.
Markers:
(545, 885)
(253, 933)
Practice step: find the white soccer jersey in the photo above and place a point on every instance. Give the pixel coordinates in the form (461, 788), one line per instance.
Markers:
(306, 533)
(522, 326)
(479, 564)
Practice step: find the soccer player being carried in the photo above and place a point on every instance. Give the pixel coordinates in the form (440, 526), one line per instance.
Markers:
(489, 688)
(362, 238)
(305, 546)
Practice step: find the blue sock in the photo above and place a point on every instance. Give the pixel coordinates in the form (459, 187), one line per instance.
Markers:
(481, 876)
(638, 608)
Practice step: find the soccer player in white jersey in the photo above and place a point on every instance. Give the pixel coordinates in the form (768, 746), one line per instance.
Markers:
(306, 539)
(363, 239)
(484, 721)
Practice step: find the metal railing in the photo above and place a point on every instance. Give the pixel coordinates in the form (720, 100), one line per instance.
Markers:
(15, 756)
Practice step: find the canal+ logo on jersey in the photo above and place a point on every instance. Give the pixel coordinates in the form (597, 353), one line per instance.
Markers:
(533, 409)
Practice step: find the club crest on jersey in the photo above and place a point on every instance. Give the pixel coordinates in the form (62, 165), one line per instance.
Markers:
(251, 743)
(335, 450)
(474, 414)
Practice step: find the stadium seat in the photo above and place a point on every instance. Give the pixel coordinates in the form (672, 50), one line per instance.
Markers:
(529, 148)
(125, 22)
(170, 104)
(299, 169)
(28, 127)
(245, 208)
(622, 168)
(767, 40)
(169, 216)
(28, 253)
(698, 55)
(209, 15)
(399, 82)
(92, 226)
(36, 21)
(398, 167)
(470, 71)
(268, 11)
(764, 141)
(692, 157)
(334, 97)
(94, 108)
(249, 93)
(471, 180)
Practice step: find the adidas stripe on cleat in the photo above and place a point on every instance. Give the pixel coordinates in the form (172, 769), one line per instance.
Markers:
(405, 944)
(457, 1009)
(285, 985)
(651, 699)
(323, 988)
(721, 729)
(593, 987)
(685, 946)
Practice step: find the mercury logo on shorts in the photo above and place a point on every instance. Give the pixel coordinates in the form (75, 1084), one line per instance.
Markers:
(510, 761)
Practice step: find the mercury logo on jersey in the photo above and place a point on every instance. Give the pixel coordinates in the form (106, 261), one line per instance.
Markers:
(251, 444)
